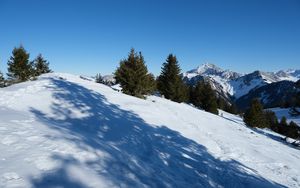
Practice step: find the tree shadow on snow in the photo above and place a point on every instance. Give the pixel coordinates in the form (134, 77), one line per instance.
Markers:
(129, 152)
(278, 138)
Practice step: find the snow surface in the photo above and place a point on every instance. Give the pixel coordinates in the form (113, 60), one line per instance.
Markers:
(64, 131)
(240, 88)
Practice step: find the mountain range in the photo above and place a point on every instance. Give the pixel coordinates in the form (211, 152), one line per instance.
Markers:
(241, 88)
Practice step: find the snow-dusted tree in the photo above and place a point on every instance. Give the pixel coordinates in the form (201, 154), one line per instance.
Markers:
(41, 66)
(19, 66)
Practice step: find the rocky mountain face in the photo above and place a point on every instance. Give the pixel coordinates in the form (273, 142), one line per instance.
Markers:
(272, 95)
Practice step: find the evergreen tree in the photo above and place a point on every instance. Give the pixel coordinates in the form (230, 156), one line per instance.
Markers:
(283, 121)
(221, 103)
(294, 111)
(282, 126)
(41, 66)
(2, 80)
(271, 120)
(99, 78)
(133, 76)
(254, 116)
(170, 83)
(210, 101)
(152, 86)
(232, 109)
(293, 130)
(197, 94)
(19, 66)
(204, 96)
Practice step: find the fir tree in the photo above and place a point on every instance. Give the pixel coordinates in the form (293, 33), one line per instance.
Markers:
(2, 80)
(231, 108)
(283, 121)
(283, 126)
(222, 103)
(271, 120)
(293, 130)
(294, 111)
(254, 116)
(152, 86)
(99, 78)
(41, 66)
(170, 83)
(204, 96)
(19, 66)
(133, 75)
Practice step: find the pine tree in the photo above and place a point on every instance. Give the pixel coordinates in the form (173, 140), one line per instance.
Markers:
(293, 130)
(254, 116)
(99, 78)
(283, 121)
(19, 66)
(133, 75)
(231, 108)
(197, 94)
(2, 80)
(41, 66)
(294, 111)
(222, 103)
(204, 96)
(170, 83)
(271, 120)
(152, 86)
(283, 126)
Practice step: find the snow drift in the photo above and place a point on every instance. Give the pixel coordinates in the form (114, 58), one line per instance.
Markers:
(63, 131)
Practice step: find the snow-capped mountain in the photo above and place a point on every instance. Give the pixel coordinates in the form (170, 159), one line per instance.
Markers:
(236, 84)
(109, 79)
(219, 78)
(208, 69)
(64, 131)
(271, 95)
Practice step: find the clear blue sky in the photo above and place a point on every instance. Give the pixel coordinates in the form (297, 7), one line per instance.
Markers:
(86, 37)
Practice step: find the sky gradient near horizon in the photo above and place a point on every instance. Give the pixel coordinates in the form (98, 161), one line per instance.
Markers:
(89, 37)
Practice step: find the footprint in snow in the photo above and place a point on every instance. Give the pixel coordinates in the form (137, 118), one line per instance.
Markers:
(9, 140)
(10, 176)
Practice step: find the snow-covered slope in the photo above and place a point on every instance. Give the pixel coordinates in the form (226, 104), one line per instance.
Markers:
(63, 131)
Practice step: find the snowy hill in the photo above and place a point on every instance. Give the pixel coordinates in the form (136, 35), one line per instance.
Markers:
(237, 84)
(64, 131)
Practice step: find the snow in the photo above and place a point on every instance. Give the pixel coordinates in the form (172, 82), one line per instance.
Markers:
(227, 88)
(280, 112)
(64, 131)
(240, 88)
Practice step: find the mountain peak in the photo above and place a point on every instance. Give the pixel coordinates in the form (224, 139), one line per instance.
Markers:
(208, 66)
